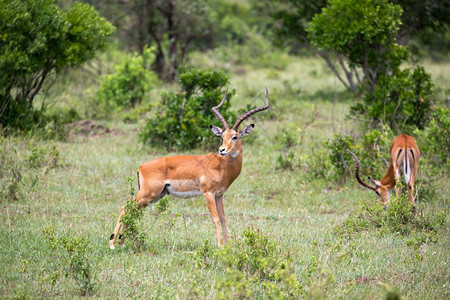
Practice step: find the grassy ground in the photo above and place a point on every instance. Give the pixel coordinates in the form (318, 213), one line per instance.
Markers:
(81, 193)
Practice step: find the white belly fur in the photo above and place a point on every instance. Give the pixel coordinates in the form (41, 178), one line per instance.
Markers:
(183, 188)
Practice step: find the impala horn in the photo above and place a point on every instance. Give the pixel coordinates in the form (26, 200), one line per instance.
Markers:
(253, 111)
(387, 164)
(357, 172)
(218, 115)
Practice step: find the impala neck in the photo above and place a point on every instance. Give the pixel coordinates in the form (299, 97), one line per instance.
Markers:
(232, 164)
(389, 179)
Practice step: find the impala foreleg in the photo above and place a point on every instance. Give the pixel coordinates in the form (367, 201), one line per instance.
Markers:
(211, 203)
(221, 212)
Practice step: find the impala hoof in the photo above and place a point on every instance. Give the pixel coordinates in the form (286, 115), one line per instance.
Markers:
(112, 247)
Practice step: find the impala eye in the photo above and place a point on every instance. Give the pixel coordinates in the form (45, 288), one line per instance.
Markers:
(234, 138)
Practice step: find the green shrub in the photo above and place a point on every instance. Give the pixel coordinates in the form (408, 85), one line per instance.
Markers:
(371, 148)
(403, 100)
(288, 159)
(340, 158)
(362, 33)
(434, 144)
(132, 219)
(130, 82)
(399, 218)
(254, 266)
(38, 40)
(182, 120)
(434, 140)
(73, 255)
(163, 205)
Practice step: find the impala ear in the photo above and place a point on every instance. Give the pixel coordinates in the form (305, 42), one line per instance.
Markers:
(216, 130)
(246, 130)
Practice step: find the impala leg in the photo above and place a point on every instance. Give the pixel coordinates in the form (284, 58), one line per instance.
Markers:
(411, 188)
(211, 202)
(112, 239)
(142, 202)
(221, 212)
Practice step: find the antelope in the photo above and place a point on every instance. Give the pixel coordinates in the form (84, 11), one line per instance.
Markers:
(189, 176)
(404, 160)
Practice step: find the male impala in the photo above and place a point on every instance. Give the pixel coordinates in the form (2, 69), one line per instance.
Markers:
(404, 159)
(188, 176)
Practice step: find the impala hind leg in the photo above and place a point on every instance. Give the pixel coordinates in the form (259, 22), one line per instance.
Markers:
(221, 212)
(142, 202)
(410, 187)
(113, 237)
(211, 203)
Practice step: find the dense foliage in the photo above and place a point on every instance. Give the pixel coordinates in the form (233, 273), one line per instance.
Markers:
(37, 40)
(183, 118)
(402, 100)
(364, 32)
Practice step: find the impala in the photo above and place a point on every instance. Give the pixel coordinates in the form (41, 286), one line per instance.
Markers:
(188, 176)
(404, 160)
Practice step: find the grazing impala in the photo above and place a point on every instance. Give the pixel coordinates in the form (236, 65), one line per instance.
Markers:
(188, 176)
(404, 159)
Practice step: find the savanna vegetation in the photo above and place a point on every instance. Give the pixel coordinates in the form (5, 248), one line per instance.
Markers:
(89, 90)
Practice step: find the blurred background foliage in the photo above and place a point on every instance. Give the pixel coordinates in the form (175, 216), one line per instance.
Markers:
(127, 48)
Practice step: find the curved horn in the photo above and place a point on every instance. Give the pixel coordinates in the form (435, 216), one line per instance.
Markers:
(387, 164)
(218, 115)
(357, 173)
(253, 111)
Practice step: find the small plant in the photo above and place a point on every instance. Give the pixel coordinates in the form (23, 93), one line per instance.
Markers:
(73, 255)
(40, 157)
(163, 205)
(131, 220)
(204, 255)
(340, 158)
(399, 218)
(287, 160)
(254, 265)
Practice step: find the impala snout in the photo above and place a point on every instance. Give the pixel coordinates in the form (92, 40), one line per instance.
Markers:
(222, 151)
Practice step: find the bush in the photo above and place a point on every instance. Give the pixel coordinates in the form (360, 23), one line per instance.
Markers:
(182, 120)
(371, 148)
(132, 219)
(38, 39)
(127, 86)
(254, 266)
(434, 139)
(340, 158)
(399, 218)
(364, 33)
(402, 100)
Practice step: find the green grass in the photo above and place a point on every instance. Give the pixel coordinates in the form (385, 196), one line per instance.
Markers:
(83, 194)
